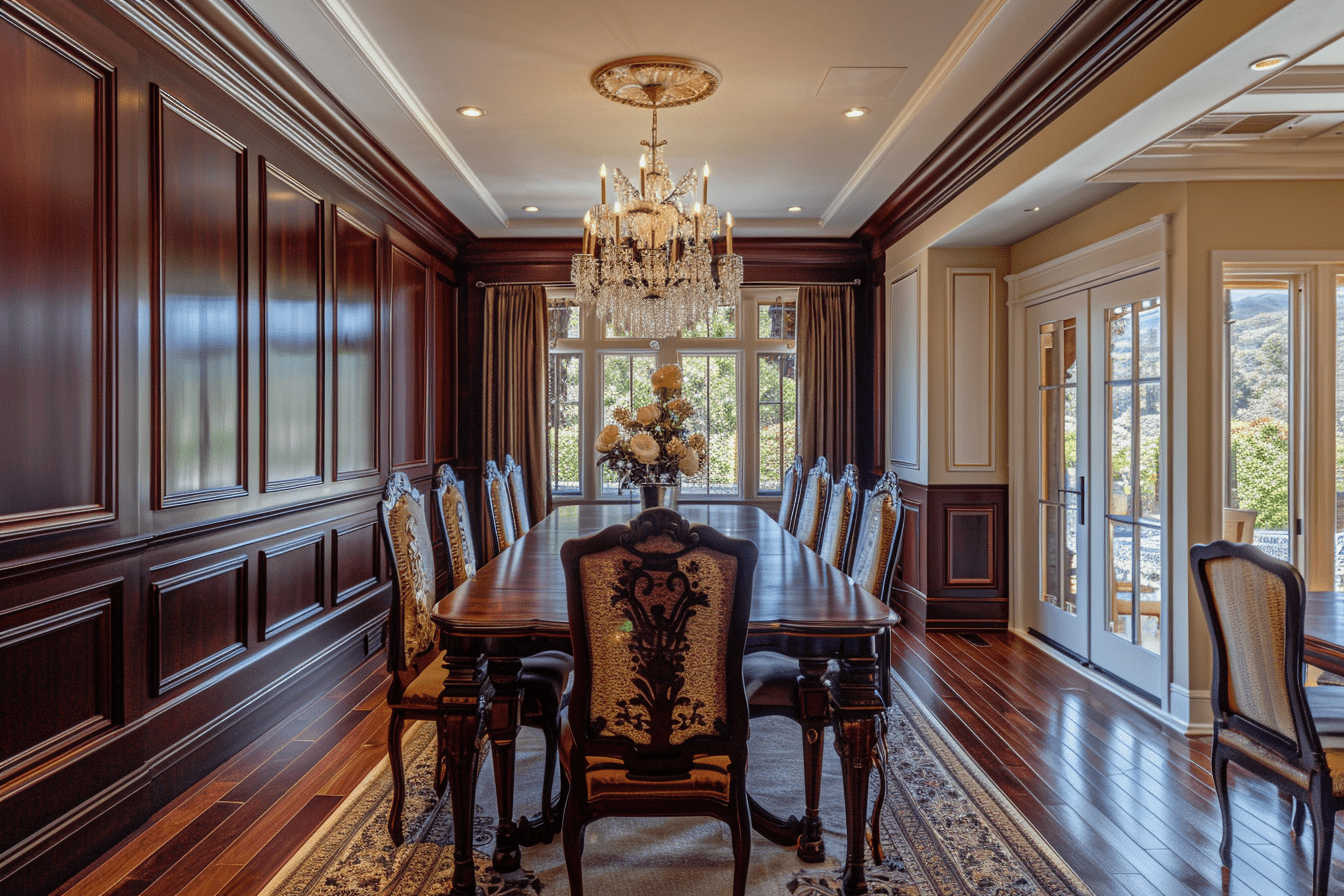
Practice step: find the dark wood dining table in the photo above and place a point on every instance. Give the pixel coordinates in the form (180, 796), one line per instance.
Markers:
(515, 606)
(1324, 629)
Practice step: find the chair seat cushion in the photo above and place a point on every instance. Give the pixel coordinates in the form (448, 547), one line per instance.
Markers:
(771, 679)
(1334, 759)
(606, 779)
(548, 670)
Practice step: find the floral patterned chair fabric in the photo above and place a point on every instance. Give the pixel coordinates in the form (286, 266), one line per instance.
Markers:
(791, 489)
(812, 508)
(1254, 606)
(412, 651)
(513, 472)
(873, 559)
(838, 533)
(454, 520)
(657, 722)
(500, 506)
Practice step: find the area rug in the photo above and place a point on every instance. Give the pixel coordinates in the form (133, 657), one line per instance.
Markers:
(947, 830)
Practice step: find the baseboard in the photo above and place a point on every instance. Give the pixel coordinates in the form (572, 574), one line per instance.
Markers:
(1194, 708)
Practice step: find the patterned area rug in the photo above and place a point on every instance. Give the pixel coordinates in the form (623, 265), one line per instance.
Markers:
(946, 829)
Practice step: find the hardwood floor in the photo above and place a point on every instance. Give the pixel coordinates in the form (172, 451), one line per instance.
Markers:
(1128, 804)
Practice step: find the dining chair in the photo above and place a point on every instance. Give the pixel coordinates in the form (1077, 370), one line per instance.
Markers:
(790, 490)
(812, 507)
(1254, 605)
(873, 560)
(412, 642)
(837, 536)
(657, 721)
(1239, 524)
(513, 472)
(497, 502)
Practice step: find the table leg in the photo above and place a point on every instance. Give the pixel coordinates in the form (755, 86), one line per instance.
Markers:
(857, 706)
(505, 718)
(462, 733)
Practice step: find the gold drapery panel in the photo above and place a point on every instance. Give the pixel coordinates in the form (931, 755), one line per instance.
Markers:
(826, 374)
(515, 384)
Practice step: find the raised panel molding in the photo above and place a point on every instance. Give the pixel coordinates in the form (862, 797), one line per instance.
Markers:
(972, 369)
(410, 359)
(293, 358)
(356, 350)
(970, 545)
(199, 379)
(290, 584)
(56, 296)
(198, 620)
(905, 372)
(49, 713)
(355, 560)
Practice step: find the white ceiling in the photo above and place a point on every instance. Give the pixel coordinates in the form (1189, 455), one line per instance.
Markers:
(773, 132)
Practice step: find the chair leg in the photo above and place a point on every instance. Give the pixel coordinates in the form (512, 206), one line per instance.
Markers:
(1299, 818)
(572, 838)
(741, 836)
(1323, 826)
(441, 759)
(398, 778)
(1220, 786)
(549, 820)
(879, 763)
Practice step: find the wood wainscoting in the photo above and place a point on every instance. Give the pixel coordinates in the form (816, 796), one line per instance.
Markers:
(954, 562)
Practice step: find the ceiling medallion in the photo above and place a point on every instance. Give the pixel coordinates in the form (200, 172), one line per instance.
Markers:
(648, 264)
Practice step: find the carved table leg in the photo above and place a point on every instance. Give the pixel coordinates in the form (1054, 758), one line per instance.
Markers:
(814, 714)
(857, 706)
(505, 718)
(462, 731)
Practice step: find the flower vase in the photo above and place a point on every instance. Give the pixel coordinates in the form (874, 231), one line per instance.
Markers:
(657, 495)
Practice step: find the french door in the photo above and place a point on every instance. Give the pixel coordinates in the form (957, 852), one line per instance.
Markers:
(1094, 458)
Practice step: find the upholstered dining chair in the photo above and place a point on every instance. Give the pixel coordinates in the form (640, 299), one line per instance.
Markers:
(873, 560)
(812, 506)
(513, 472)
(791, 490)
(657, 722)
(499, 505)
(412, 643)
(1254, 605)
(837, 535)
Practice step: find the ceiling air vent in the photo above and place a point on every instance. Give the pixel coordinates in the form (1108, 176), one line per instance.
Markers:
(1203, 129)
(1255, 125)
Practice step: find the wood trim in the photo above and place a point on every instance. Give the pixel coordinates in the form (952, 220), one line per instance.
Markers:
(266, 559)
(342, 217)
(339, 536)
(1080, 51)
(162, 682)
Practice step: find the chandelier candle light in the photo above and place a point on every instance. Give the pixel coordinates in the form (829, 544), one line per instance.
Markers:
(648, 265)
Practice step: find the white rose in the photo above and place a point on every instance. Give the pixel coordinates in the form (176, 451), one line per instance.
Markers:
(644, 447)
(607, 439)
(648, 415)
(690, 463)
(668, 377)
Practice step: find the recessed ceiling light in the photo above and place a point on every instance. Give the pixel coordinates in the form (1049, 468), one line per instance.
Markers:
(470, 111)
(857, 111)
(531, 208)
(1269, 62)
(795, 208)
(1034, 208)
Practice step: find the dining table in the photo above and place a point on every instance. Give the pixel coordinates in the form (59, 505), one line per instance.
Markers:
(1323, 627)
(516, 606)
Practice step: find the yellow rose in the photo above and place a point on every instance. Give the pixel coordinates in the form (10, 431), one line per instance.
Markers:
(644, 447)
(681, 407)
(607, 439)
(696, 441)
(648, 415)
(675, 447)
(668, 377)
(690, 463)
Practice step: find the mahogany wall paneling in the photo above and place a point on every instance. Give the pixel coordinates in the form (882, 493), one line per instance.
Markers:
(293, 359)
(967, 557)
(355, 561)
(410, 326)
(198, 619)
(290, 584)
(198, 179)
(56, 241)
(48, 713)
(356, 312)
(446, 353)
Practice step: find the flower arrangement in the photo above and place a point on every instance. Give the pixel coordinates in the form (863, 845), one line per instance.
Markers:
(651, 446)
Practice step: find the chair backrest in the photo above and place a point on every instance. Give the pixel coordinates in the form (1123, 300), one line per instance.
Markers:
(454, 521)
(1254, 605)
(881, 531)
(792, 487)
(513, 472)
(838, 534)
(411, 635)
(497, 501)
(658, 614)
(1239, 524)
(812, 508)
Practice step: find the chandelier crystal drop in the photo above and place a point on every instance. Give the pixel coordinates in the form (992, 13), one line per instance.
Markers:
(648, 266)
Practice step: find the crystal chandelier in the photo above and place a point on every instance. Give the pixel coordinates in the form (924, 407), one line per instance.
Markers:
(648, 265)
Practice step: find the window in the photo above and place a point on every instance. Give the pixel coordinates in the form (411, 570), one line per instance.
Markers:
(738, 370)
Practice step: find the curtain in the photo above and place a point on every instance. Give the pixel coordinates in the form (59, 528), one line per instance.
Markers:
(515, 385)
(826, 375)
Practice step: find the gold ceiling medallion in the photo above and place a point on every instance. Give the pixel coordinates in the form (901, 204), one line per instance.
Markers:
(648, 266)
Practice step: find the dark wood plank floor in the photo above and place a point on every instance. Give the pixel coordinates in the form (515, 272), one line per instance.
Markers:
(1127, 803)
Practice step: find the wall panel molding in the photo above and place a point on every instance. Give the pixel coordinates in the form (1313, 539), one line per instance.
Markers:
(411, 323)
(197, 621)
(356, 349)
(971, 371)
(356, 561)
(291, 584)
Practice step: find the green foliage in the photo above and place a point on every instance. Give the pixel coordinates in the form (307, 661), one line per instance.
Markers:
(1260, 465)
